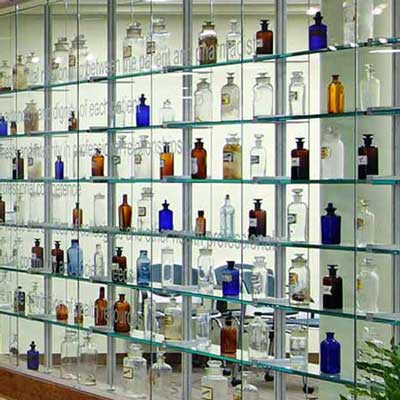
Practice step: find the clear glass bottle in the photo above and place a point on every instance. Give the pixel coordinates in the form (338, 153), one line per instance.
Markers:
(33, 72)
(16, 253)
(214, 385)
(297, 94)
(60, 61)
(258, 338)
(5, 76)
(142, 158)
(203, 101)
(230, 100)
(122, 159)
(35, 164)
(297, 218)
(299, 281)
(358, 15)
(134, 47)
(258, 158)
(87, 361)
(203, 330)
(332, 154)
(160, 38)
(99, 210)
(232, 158)
(370, 89)
(35, 300)
(161, 378)
(134, 373)
(206, 275)
(208, 44)
(227, 218)
(367, 287)
(5, 290)
(98, 266)
(4, 248)
(69, 355)
(167, 113)
(31, 118)
(19, 209)
(259, 278)
(173, 321)
(245, 391)
(365, 224)
(79, 52)
(150, 324)
(263, 96)
(298, 346)
(233, 42)
(167, 267)
(144, 210)
(19, 74)
(13, 351)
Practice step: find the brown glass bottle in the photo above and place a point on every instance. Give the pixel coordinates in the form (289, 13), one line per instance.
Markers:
(199, 160)
(97, 163)
(100, 309)
(228, 338)
(19, 300)
(62, 312)
(300, 161)
(122, 315)
(208, 41)
(257, 220)
(57, 259)
(37, 255)
(119, 275)
(166, 162)
(125, 214)
(2, 211)
(332, 285)
(77, 216)
(13, 128)
(78, 314)
(18, 166)
(368, 160)
(200, 228)
(265, 39)
(335, 96)
(72, 122)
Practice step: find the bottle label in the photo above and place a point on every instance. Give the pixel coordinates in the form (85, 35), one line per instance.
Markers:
(327, 290)
(150, 47)
(295, 162)
(253, 222)
(259, 43)
(207, 393)
(227, 277)
(195, 168)
(360, 223)
(362, 160)
(293, 96)
(116, 160)
(292, 218)
(127, 51)
(228, 157)
(128, 373)
(168, 320)
(142, 211)
(254, 160)
(30, 161)
(71, 60)
(293, 279)
(14, 166)
(325, 152)
(138, 158)
(162, 163)
(54, 64)
(225, 99)
(237, 396)
(360, 284)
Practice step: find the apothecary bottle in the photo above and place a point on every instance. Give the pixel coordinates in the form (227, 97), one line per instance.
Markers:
(230, 280)
(199, 160)
(298, 346)
(200, 224)
(214, 385)
(173, 321)
(100, 309)
(228, 338)
(2, 210)
(203, 101)
(263, 96)
(297, 94)
(5, 291)
(5, 76)
(134, 373)
(365, 224)
(165, 218)
(232, 158)
(258, 338)
(78, 314)
(245, 391)
(98, 262)
(122, 159)
(19, 73)
(4, 250)
(330, 355)
(59, 169)
(34, 300)
(143, 269)
(166, 161)
(99, 210)
(300, 161)
(297, 218)
(332, 289)
(206, 275)
(370, 89)
(31, 118)
(119, 267)
(335, 96)
(368, 287)
(203, 330)
(18, 166)
(161, 377)
(142, 158)
(257, 221)
(230, 99)
(233, 41)
(264, 39)
(13, 352)
(144, 210)
(330, 226)
(75, 259)
(299, 281)
(97, 163)
(258, 158)
(227, 218)
(19, 300)
(19, 209)
(60, 61)
(134, 47)
(33, 71)
(167, 113)
(167, 266)
(358, 21)
(37, 255)
(208, 44)
(87, 361)
(160, 40)
(35, 164)
(332, 154)
(79, 59)
(142, 112)
(125, 214)
(32, 359)
(368, 158)
(3, 126)
(77, 216)
(318, 33)
(122, 315)
(16, 253)
(259, 278)
(69, 355)
(62, 312)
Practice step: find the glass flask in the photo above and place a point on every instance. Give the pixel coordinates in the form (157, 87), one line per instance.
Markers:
(336, 96)
(143, 269)
(160, 37)
(258, 338)
(75, 259)
(69, 355)
(365, 224)
(297, 94)
(203, 330)
(134, 373)
(31, 118)
(35, 300)
(298, 346)
(79, 53)
(228, 338)
(161, 378)
(208, 44)
(257, 221)
(4, 250)
(227, 218)
(258, 158)
(173, 321)
(144, 210)
(167, 113)
(166, 161)
(19, 74)
(199, 160)
(367, 287)
(101, 309)
(5, 76)
(87, 361)
(232, 158)
(5, 290)
(233, 42)
(299, 281)
(245, 391)
(230, 99)
(98, 266)
(203, 101)
(330, 355)
(60, 61)
(206, 275)
(332, 154)
(297, 218)
(142, 158)
(370, 89)
(33, 72)
(122, 159)
(358, 14)
(134, 47)
(259, 277)
(214, 385)
(99, 210)
(263, 96)
(167, 267)
(368, 158)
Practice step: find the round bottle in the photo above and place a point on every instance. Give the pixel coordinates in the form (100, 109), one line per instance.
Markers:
(297, 94)
(206, 277)
(245, 391)
(232, 158)
(173, 321)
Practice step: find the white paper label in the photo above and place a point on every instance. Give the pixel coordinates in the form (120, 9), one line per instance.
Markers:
(291, 218)
(228, 157)
(254, 160)
(253, 223)
(195, 168)
(295, 162)
(362, 160)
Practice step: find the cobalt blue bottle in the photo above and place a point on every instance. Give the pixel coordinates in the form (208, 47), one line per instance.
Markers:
(165, 218)
(3, 127)
(230, 280)
(75, 259)
(59, 168)
(142, 112)
(318, 34)
(33, 357)
(330, 355)
(143, 269)
(330, 226)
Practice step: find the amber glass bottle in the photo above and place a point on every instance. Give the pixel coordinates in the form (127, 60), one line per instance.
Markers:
(125, 214)
(57, 259)
(122, 315)
(72, 122)
(368, 160)
(18, 166)
(232, 158)
(228, 338)
(37, 255)
(265, 39)
(300, 161)
(62, 312)
(257, 220)
(97, 163)
(78, 314)
(119, 275)
(200, 228)
(2, 211)
(335, 96)
(208, 41)
(77, 216)
(166, 161)
(100, 309)
(199, 160)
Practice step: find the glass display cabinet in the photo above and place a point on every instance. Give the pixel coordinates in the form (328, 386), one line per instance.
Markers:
(199, 200)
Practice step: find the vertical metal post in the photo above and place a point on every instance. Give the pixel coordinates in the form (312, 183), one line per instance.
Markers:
(280, 191)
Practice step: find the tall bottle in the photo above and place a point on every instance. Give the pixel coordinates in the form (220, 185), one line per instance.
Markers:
(358, 21)
(167, 113)
(318, 34)
(5, 76)
(199, 160)
(263, 96)
(203, 329)
(31, 118)
(119, 271)
(297, 218)
(200, 225)
(143, 269)
(365, 224)
(133, 48)
(257, 220)
(299, 281)
(18, 166)
(206, 274)
(122, 315)
(258, 338)
(80, 60)
(97, 163)
(214, 385)
(3, 126)
(264, 39)
(259, 278)
(142, 112)
(166, 161)
(69, 355)
(77, 216)
(230, 280)
(165, 218)
(298, 345)
(125, 214)
(161, 377)
(332, 289)
(330, 226)
(59, 62)
(99, 209)
(100, 309)
(142, 158)
(300, 160)
(370, 89)
(144, 210)
(330, 355)
(368, 160)
(160, 42)
(228, 338)
(208, 44)
(227, 218)
(173, 321)
(32, 358)
(98, 262)
(232, 158)
(37, 255)
(203, 101)
(87, 361)
(167, 267)
(332, 154)
(59, 169)
(33, 69)
(134, 373)
(19, 74)
(2, 211)
(19, 300)
(258, 158)
(233, 42)
(297, 94)
(75, 259)
(335, 96)
(35, 302)
(230, 99)
(367, 287)
(72, 122)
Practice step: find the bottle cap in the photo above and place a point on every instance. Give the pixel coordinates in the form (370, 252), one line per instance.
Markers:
(33, 345)
(142, 99)
(264, 24)
(59, 158)
(368, 138)
(258, 314)
(166, 147)
(57, 244)
(318, 18)
(330, 209)
(165, 205)
(200, 213)
(73, 241)
(37, 242)
(119, 251)
(332, 268)
(257, 203)
(230, 264)
(335, 77)
(300, 142)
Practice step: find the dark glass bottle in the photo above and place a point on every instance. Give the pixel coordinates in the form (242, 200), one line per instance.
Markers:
(330, 226)
(37, 255)
(57, 259)
(100, 309)
(368, 162)
(18, 166)
(166, 161)
(72, 122)
(62, 312)
(59, 168)
(32, 357)
(300, 161)
(77, 216)
(230, 280)
(332, 297)
(142, 112)
(330, 355)
(318, 34)
(2, 211)
(228, 338)
(165, 218)
(97, 163)
(13, 128)
(264, 39)
(200, 228)
(19, 300)
(125, 214)
(78, 314)
(257, 220)
(122, 315)
(3, 126)
(199, 160)
(119, 275)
